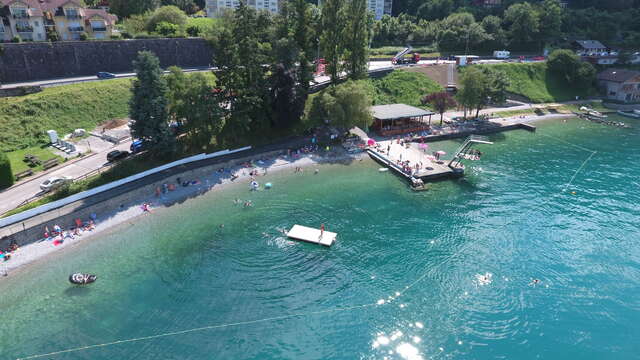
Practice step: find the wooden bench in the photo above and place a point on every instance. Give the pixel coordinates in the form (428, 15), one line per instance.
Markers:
(23, 174)
(50, 163)
(32, 160)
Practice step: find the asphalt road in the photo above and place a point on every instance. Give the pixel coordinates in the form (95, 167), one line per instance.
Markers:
(14, 196)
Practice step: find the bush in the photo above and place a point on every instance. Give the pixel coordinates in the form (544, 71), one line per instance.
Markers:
(193, 31)
(6, 175)
(145, 35)
(170, 14)
(116, 37)
(126, 35)
(16, 39)
(84, 36)
(167, 29)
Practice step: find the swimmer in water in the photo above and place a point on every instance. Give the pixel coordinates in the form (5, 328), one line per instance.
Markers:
(237, 201)
(317, 171)
(221, 226)
(534, 282)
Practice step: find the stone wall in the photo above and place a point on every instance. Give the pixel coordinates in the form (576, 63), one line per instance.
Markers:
(42, 61)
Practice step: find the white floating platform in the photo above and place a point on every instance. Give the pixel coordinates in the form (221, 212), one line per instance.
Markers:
(312, 235)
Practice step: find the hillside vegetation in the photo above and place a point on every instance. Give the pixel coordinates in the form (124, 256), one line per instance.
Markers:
(536, 83)
(402, 87)
(24, 120)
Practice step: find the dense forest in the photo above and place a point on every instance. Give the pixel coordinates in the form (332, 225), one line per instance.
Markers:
(454, 25)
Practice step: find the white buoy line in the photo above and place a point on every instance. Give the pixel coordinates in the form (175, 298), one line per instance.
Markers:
(380, 302)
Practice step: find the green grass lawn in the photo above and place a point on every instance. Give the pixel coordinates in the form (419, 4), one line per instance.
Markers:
(25, 119)
(539, 85)
(402, 87)
(18, 165)
(121, 170)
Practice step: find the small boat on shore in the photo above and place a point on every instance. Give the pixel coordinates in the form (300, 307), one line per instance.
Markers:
(635, 114)
(82, 279)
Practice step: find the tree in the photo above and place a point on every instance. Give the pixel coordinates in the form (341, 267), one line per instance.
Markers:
(169, 14)
(523, 23)
(187, 6)
(356, 38)
(497, 38)
(303, 34)
(550, 20)
(148, 104)
(6, 175)
(441, 102)
(126, 8)
(203, 116)
(497, 84)
(242, 49)
(435, 9)
(480, 86)
(287, 105)
(460, 32)
(331, 37)
(344, 106)
(567, 65)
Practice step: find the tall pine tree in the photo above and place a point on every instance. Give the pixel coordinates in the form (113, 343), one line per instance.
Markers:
(148, 105)
(331, 43)
(356, 37)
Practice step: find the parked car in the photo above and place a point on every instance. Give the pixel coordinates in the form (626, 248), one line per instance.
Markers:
(53, 183)
(137, 146)
(105, 75)
(117, 155)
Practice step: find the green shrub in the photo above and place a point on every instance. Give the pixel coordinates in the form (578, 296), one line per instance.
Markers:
(6, 175)
(84, 36)
(126, 35)
(116, 37)
(16, 39)
(193, 30)
(167, 29)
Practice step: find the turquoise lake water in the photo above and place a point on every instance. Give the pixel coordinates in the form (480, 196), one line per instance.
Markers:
(251, 294)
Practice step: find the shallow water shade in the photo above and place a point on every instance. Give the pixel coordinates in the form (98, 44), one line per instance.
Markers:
(402, 280)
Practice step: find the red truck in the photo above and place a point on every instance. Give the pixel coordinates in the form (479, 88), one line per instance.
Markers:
(399, 59)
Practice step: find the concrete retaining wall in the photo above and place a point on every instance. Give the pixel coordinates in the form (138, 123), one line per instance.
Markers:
(109, 203)
(41, 61)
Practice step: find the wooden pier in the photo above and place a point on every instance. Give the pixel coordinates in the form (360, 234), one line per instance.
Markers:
(311, 235)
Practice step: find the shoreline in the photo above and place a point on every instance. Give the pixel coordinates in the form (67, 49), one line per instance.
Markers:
(210, 181)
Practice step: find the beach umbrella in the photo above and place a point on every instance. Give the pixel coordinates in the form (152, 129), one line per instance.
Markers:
(371, 142)
(440, 152)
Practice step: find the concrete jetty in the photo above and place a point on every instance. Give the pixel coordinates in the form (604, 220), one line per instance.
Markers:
(430, 168)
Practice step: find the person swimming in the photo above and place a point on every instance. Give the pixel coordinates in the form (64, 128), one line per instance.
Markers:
(535, 282)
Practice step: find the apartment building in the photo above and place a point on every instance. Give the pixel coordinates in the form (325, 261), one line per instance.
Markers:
(33, 20)
(377, 7)
(23, 18)
(215, 8)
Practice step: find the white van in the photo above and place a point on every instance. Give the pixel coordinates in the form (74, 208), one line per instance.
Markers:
(504, 54)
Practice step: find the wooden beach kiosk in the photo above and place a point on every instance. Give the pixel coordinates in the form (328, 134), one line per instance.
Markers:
(311, 235)
(396, 119)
